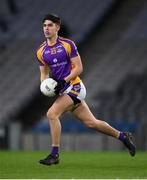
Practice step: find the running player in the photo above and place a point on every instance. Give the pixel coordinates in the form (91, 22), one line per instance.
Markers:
(59, 58)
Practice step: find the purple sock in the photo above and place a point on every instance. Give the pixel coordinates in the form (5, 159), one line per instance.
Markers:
(122, 136)
(55, 150)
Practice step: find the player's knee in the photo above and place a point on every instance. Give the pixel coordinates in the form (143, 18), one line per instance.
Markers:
(51, 115)
(90, 124)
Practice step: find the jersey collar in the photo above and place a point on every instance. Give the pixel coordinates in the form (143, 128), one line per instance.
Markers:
(52, 44)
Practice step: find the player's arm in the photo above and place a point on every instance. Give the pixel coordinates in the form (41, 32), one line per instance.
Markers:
(44, 72)
(77, 68)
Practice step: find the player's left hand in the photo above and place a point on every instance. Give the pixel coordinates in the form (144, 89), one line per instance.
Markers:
(61, 84)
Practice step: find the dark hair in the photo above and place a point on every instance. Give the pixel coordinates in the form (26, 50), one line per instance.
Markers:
(52, 17)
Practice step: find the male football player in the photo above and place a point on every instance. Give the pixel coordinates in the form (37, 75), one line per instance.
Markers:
(59, 58)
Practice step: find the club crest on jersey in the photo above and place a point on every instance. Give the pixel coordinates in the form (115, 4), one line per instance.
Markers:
(59, 48)
(76, 87)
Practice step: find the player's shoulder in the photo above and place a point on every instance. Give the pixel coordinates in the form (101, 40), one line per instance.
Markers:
(69, 41)
(42, 45)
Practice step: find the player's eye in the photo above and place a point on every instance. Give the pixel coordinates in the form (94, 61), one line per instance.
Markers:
(50, 25)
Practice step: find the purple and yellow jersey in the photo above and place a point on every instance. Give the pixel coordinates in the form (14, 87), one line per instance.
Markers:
(57, 57)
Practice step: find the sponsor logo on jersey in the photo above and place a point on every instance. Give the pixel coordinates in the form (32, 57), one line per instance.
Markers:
(55, 60)
(59, 64)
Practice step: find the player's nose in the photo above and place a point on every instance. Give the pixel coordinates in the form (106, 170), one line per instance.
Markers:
(46, 29)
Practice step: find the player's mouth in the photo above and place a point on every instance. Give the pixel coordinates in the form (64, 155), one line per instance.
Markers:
(47, 33)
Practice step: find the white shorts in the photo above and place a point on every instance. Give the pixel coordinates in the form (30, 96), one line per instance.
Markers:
(77, 91)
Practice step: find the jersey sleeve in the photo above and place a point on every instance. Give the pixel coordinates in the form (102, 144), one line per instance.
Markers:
(73, 50)
(39, 57)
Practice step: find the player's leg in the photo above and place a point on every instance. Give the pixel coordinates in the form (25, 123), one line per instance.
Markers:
(62, 104)
(83, 113)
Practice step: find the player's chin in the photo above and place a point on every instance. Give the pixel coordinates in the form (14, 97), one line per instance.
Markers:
(47, 36)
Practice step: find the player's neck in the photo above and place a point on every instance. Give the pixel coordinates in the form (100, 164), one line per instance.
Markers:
(51, 41)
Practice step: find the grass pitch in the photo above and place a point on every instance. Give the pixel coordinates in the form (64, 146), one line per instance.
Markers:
(73, 165)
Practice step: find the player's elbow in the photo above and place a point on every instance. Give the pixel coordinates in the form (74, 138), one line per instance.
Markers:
(80, 69)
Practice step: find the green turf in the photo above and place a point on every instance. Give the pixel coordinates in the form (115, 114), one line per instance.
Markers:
(73, 165)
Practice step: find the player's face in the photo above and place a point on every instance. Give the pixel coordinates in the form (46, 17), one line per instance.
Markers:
(50, 29)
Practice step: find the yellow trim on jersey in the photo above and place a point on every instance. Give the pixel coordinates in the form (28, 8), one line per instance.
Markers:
(66, 46)
(75, 92)
(62, 38)
(76, 80)
(65, 38)
(51, 44)
(39, 55)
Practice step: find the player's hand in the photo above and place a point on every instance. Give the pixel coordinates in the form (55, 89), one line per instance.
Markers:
(60, 85)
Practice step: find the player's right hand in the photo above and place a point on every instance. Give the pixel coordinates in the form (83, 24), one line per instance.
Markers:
(60, 85)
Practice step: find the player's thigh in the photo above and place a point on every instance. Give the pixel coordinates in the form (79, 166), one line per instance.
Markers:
(62, 104)
(83, 113)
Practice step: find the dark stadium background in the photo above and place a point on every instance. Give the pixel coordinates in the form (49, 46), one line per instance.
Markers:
(111, 36)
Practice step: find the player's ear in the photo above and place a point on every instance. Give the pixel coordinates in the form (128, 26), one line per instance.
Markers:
(58, 27)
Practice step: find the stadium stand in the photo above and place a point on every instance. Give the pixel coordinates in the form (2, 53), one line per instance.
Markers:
(119, 78)
(114, 62)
